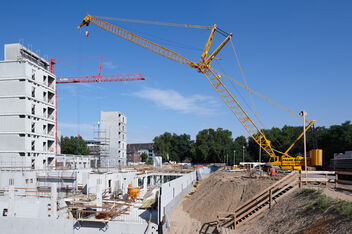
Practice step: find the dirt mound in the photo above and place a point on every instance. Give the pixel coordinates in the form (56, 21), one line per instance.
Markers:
(302, 213)
(222, 192)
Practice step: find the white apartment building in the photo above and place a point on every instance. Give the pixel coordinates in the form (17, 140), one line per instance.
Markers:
(27, 108)
(114, 130)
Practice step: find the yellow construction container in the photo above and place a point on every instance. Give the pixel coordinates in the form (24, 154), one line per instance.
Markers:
(316, 157)
(132, 193)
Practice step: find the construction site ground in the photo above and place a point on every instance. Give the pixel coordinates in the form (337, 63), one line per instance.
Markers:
(316, 211)
(311, 210)
(220, 192)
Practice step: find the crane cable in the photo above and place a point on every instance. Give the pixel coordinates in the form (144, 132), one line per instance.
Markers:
(245, 84)
(260, 95)
(155, 23)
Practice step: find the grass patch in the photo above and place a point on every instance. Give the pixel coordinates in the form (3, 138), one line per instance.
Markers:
(324, 202)
(344, 208)
(317, 200)
(321, 202)
(308, 191)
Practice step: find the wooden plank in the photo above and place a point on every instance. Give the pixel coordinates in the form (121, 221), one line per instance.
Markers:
(315, 179)
(345, 181)
(344, 172)
(260, 195)
(320, 172)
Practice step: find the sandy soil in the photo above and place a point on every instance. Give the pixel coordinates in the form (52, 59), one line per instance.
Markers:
(292, 215)
(182, 223)
(220, 192)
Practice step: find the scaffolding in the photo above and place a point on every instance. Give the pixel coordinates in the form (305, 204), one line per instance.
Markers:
(102, 139)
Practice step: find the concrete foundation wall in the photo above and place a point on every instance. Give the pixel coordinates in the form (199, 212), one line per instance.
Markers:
(54, 226)
(172, 193)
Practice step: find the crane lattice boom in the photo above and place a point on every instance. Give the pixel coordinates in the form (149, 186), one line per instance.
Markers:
(203, 67)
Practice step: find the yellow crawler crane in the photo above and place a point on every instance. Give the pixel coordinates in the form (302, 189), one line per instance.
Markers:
(214, 78)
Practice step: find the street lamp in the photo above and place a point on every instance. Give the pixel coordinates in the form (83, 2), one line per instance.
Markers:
(304, 114)
(243, 153)
(234, 157)
(260, 149)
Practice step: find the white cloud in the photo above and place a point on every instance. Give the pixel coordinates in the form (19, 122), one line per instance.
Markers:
(172, 100)
(109, 65)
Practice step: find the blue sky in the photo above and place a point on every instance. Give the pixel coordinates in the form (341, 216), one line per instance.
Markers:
(298, 53)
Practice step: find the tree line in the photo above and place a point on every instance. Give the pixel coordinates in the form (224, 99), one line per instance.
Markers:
(215, 146)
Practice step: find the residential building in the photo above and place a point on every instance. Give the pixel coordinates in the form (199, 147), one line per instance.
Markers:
(113, 125)
(134, 151)
(27, 108)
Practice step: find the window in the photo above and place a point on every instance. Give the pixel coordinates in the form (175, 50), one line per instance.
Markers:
(33, 127)
(33, 76)
(33, 145)
(33, 109)
(27, 181)
(44, 79)
(11, 181)
(33, 92)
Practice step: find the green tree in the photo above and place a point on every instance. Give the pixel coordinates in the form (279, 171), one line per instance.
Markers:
(74, 145)
(239, 143)
(149, 161)
(212, 146)
(336, 139)
(162, 145)
(144, 157)
(173, 147)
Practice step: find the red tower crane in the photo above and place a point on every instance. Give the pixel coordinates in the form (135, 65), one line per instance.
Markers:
(87, 79)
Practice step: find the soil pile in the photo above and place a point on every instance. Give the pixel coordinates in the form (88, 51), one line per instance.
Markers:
(302, 213)
(223, 192)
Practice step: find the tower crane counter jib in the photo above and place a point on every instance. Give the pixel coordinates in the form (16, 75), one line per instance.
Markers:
(203, 67)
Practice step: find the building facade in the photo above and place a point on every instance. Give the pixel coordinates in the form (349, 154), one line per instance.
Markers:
(113, 126)
(27, 108)
(134, 151)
